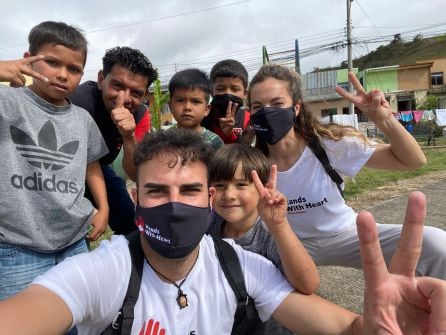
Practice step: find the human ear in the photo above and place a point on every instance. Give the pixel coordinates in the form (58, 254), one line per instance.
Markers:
(27, 54)
(135, 195)
(208, 109)
(212, 192)
(100, 79)
(297, 107)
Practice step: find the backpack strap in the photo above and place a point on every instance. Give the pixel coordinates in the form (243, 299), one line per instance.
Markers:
(246, 315)
(321, 155)
(122, 325)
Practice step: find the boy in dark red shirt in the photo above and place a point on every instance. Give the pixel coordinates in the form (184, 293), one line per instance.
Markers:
(228, 117)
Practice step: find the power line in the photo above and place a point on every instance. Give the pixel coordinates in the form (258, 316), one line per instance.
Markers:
(168, 17)
(370, 20)
(145, 21)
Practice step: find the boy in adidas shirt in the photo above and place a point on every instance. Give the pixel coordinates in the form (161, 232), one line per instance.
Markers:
(50, 149)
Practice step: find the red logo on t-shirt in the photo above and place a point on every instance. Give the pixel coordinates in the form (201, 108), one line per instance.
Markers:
(152, 328)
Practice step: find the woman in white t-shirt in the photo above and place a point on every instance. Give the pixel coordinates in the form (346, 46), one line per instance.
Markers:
(317, 211)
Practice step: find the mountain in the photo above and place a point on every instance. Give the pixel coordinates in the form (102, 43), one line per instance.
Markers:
(399, 52)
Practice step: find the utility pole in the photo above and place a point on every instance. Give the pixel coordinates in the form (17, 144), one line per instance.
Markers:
(351, 108)
(265, 56)
(296, 57)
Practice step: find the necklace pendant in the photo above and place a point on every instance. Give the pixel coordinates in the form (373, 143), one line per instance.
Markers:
(182, 299)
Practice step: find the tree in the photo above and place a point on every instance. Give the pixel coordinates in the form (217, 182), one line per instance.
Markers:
(160, 100)
(430, 103)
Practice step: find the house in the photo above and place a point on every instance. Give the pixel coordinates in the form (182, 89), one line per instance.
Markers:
(405, 86)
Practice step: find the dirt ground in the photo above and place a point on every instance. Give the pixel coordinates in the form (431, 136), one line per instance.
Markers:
(345, 286)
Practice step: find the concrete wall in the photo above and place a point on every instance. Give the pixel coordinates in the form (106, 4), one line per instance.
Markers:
(385, 80)
(411, 79)
(439, 65)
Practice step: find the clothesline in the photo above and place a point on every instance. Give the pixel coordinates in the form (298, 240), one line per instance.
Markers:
(439, 115)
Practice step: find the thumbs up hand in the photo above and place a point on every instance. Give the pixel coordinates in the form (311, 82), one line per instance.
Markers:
(122, 117)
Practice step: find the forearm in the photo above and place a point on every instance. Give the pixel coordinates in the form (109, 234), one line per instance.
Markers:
(129, 145)
(298, 266)
(403, 145)
(311, 314)
(35, 310)
(96, 184)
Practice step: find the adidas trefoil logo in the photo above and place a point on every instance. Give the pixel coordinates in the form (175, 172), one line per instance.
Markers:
(45, 154)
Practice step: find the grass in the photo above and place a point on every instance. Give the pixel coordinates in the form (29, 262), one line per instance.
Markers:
(369, 179)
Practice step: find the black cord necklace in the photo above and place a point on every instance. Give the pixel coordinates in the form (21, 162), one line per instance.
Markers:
(181, 297)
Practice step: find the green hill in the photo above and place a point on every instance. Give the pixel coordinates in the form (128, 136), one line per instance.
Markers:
(399, 52)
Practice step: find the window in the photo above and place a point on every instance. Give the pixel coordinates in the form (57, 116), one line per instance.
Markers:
(437, 78)
(329, 112)
(344, 85)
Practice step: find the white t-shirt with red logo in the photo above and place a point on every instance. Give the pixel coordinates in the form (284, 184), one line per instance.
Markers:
(315, 205)
(94, 286)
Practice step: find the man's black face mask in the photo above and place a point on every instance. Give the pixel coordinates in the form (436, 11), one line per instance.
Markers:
(173, 229)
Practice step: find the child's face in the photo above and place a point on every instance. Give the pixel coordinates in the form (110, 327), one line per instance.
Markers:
(236, 200)
(189, 107)
(229, 85)
(63, 67)
(270, 93)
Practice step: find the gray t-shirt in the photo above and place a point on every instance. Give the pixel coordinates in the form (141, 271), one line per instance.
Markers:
(45, 151)
(258, 240)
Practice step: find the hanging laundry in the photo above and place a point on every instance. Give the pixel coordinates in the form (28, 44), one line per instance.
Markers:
(409, 128)
(406, 116)
(325, 119)
(346, 120)
(428, 115)
(397, 116)
(441, 117)
(417, 115)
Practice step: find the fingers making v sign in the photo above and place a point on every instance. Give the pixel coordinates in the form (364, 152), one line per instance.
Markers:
(14, 71)
(272, 206)
(395, 301)
(373, 104)
(227, 123)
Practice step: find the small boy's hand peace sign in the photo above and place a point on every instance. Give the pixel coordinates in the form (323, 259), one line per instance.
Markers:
(14, 71)
(227, 123)
(272, 206)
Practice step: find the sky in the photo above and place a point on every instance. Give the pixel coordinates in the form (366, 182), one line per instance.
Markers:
(176, 34)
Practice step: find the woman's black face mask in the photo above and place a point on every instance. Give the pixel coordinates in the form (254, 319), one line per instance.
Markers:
(271, 124)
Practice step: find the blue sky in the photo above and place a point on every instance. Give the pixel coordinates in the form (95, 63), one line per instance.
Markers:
(192, 33)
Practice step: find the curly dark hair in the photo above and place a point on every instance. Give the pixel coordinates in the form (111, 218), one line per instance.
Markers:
(132, 59)
(185, 143)
(57, 33)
